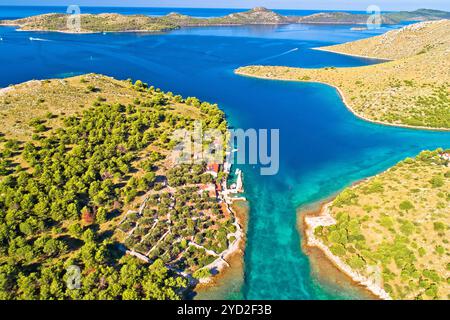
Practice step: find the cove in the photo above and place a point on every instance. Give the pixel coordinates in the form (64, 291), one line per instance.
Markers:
(323, 147)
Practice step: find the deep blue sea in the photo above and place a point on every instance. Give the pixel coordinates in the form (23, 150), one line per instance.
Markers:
(323, 147)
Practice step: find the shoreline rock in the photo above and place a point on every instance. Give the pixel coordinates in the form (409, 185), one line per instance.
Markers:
(323, 218)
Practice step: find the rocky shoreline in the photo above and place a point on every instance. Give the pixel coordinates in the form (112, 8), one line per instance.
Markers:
(232, 269)
(322, 217)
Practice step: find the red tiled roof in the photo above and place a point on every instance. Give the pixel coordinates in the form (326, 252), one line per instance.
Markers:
(207, 186)
(212, 193)
(213, 167)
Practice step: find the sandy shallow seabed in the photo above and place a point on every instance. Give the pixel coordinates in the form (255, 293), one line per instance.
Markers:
(229, 279)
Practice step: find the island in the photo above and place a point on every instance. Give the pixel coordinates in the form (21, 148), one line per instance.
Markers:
(91, 200)
(112, 22)
(412, 89)
(389, 233)
(92, 23)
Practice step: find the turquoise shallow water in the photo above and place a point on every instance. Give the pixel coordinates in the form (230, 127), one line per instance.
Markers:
(323, 147)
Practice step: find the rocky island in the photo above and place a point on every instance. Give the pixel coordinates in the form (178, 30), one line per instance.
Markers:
(112, 22)
(92, 23)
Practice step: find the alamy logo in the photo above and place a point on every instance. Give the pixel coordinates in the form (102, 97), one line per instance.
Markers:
(73, 280)
(239, 146)
(74, 18)
(374, 20)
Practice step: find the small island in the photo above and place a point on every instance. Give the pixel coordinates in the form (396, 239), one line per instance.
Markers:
(411, 90)
(389, 233)
(92, 23)
(112, 22)
(87, 182)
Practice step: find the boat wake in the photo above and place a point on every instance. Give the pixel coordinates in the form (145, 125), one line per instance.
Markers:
(275, 56)
(38, 39)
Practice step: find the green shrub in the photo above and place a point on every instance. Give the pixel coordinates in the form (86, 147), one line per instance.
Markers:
(437, 181)
(406, 205)
(338, 249)
(346, 197)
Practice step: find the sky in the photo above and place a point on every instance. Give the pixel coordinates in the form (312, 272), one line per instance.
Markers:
(385, 5)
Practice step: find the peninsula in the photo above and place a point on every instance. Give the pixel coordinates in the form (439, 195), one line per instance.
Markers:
(390, 232)
(412, 90)
(88, 186)
(111, 22)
